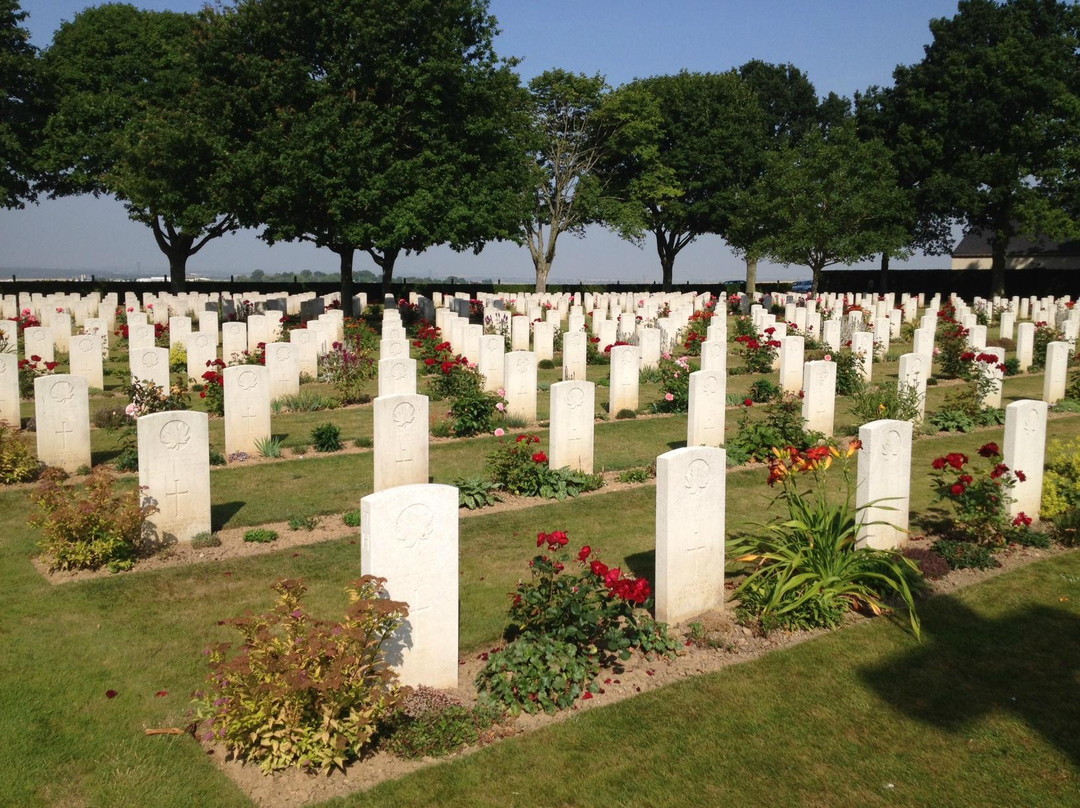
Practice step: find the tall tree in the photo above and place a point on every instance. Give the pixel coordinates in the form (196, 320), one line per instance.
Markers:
(827, 199)
(566, 141)
(384, 126)
(20, 108)
(130, 119)
(994, 107)
(929, 228)
(790, 105)
(677, 175)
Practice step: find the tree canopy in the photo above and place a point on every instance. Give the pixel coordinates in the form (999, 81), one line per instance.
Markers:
(828, 198)
(989, 118)
(566, 141)
(130, 118)
(20, 107)
(677, 173)
(386, 127)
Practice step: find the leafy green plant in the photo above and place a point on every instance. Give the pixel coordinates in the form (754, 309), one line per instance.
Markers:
(351, 518)
(349, 366)
(673, 376)
(17, 463)
(807, 569)
(758, 355)
(110, 418)
(89, 525)
(260, 535)
(474, 410)
(270, 446)
(1065, 527)
(306, 401)
(762, 391)
(364, 442)
(1044, 335)
(300, 691)
(962, 555)
(205, 539)
(887, 400)
(307, 523)
(545, 364)
(951, 420)
(217, 458)
(1061, 479)
(518, 467)
(625, 414)
(178, 358)
(849, 378)
(979, 498)
(429, 724)
(128, 460)
(564, 626)
(641, 475)
(782, 425)
(326, 438)
(476, 492)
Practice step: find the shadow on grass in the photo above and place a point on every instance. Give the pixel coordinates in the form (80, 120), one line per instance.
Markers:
(643, 565)
(676, 444)
(222, 512)
(1025, 664)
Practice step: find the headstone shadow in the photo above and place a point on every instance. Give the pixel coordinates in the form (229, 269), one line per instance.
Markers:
(1026, 664)
(222, 512)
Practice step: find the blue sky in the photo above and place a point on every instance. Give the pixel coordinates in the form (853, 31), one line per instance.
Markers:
(842, 45)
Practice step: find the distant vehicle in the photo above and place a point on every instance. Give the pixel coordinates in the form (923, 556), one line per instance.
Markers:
(802, 286)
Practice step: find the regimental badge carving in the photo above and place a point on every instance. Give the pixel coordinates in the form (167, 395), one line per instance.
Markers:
(62, 392)
(696, 478)
(404, 414)
(150, 359)
(1031, 421)
(890, 447)
(575, 398)
(712, 385)
(414, 524)
(248, 380)
(397, 371)
(175, 435)
(283, 353)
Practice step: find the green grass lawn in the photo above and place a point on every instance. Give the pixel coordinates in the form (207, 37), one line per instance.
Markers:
(831, 722)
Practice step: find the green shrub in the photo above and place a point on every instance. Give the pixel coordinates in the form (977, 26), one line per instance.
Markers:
(364, 442)
(518, 467)
(326, 438)
(979, 498)
(1061, 479)
(307, 523)
(781, 426)
(849, 379)
(476, 492)
(306, 401)
(642, 475)
(808, 571)
(110, 418)
(762, 391)
(351, 518)
(887, 400)
(205, 539)
(261, 535)
(217, 458)
(178, 358)
(1065, 527)
(89, 525)
(301, 691)
(270, 446)
(564, 626)
(545, 364)
(128, 460)
(673, 376)
(625, 415)
(17, 463)
(474, 410)
(350, 365)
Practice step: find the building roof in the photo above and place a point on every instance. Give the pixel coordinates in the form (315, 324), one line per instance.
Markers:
(976, 244)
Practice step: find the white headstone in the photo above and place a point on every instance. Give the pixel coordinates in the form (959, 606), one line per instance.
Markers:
(151, 365)
(1056, 372)
(201, 350)
(62, 416)
(401, 440)
(883, 493)
(247, 408)
(490, 364)
(10, 408)
(791, 364)
(85, 359)
(624, 380)
(283, 369)
(397, 377)
(233, 341)
(574, 356)
(409, 536)
(708, 400)
(690, 532)
(174, 468)
(519, 376)
(1025, 345)
(1025, 451)
(38, 341)
(819, 396)
(913, 372)
(573, 406)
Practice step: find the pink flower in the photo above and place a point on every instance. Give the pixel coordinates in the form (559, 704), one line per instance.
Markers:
(500, 432)
(668, 397)
(827, 357)
(500, 407)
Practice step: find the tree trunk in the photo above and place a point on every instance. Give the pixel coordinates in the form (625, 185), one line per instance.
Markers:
(664, 249)
(884, 274)
(751, 274)
(177, 271)
(386, 261)
(345, 254)
(816, 274)
(999, 246)
(543, 269)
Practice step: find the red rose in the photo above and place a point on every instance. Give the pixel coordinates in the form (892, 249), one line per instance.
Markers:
(989, 450)
(584, 554)
(958, 489)
(598, 568)
(939, 463)
(748, 402)
(540, 539)
(956, 460)
(520, 438)
(1020, 475)
(539, 457)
